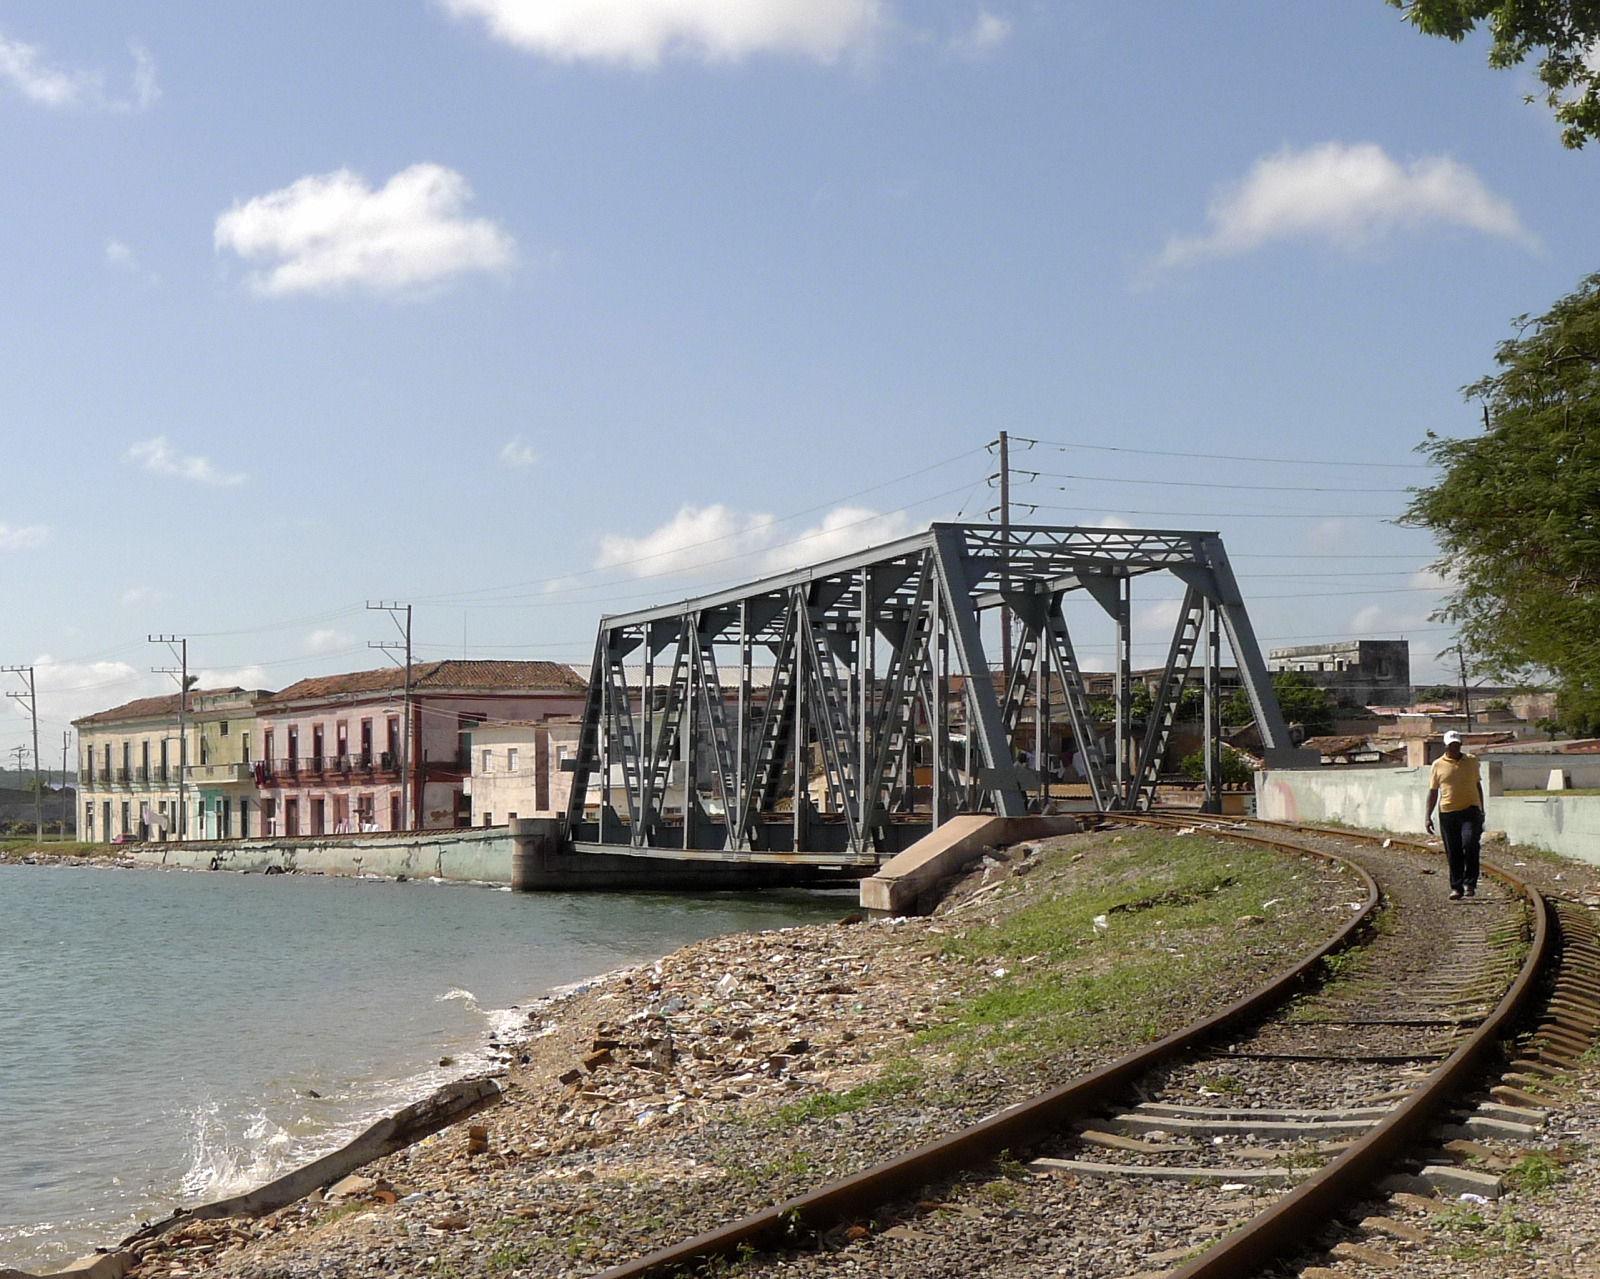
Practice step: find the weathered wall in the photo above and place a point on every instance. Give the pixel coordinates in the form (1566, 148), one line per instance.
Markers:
(479, 855)
(1392, 799)
(1529, 771)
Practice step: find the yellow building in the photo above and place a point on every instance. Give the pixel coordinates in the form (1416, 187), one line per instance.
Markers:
(129, 768)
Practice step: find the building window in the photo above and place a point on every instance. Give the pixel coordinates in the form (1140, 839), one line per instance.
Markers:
(222, 729)
(88, 822)
(127, 818)
(291, 817)
(511, 759)
(244, 817)
(394, 813)
(488, 761)
(488, 819)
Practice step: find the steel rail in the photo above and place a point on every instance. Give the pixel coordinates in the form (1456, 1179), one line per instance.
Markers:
(1291, 1220)
(1015, 1127)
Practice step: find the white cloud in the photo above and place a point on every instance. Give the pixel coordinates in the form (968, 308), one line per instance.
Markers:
(986, 34)
(518, 454)
(330, 232)
(120, 256)
(23, 538)
(693, 538)
(237, 677)
(843, 530)
(1348, 197)
(24, 67)
(145, 88)
(700, 537)
(327, 639)
(641, 33)
(158, 457)
(70, 690)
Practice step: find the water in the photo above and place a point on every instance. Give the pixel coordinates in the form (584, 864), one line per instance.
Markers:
(164, 1032)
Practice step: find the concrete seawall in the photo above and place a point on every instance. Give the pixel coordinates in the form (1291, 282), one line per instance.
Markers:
(486, 856)
(482, 856)
(1392, 799)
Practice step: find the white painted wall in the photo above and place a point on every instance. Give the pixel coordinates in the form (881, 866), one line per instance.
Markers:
(1392, 799)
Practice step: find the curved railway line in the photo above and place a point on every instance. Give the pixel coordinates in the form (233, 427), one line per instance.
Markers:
(1375, 1053)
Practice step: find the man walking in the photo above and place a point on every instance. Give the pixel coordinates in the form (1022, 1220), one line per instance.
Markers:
(1453, 786)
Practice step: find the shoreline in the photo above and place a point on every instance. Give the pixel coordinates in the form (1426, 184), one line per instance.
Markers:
(728, 1073)
(216, 1152)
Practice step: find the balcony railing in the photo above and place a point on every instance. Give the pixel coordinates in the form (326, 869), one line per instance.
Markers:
(325, 769)
(219, 774)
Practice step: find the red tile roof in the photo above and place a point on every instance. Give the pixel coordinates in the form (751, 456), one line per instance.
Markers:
(145, 708)
(436, 677)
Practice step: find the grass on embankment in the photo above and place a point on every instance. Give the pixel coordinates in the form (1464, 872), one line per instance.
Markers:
(1128, 930)
(1184, 922)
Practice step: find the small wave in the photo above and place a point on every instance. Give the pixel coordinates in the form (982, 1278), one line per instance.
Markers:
(220, 1165)
(464, 996)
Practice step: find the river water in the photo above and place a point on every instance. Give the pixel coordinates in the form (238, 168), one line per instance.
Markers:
(162, 1033)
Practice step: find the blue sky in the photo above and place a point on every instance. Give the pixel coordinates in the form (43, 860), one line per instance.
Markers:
(524, 310)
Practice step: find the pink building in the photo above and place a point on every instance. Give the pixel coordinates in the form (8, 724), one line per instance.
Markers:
(330, 750)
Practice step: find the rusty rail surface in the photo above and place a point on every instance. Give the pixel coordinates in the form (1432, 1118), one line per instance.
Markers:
(1015, 1127)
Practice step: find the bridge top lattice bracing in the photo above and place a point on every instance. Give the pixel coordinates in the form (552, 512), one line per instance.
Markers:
(882, 715)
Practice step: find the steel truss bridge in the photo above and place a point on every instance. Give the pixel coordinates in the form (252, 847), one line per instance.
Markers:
(837, 713)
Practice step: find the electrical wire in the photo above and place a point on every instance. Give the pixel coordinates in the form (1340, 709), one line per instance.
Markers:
(1218, 457)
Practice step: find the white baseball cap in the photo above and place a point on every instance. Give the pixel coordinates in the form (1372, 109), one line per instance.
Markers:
(1452, 736)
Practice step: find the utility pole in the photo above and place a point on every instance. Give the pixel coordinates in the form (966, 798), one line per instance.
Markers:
(180, 649)
(66, 742)
(394, 609)
(32, 703)
(1466, 703)
(1003, 478)
(1005, 552)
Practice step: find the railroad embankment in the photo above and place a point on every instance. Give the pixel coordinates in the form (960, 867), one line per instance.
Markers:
(668, 1098)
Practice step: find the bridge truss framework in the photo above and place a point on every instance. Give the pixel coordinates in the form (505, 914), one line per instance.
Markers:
(865, 652)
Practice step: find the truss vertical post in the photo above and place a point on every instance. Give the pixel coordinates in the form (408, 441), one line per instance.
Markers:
(1124, 688)
(1211, 801)
(738, 835)
(983, 714)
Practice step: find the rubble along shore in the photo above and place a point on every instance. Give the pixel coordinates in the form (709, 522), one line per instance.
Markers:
(667, 1098)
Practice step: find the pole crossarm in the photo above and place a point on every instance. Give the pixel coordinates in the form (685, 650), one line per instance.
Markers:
(881, 712)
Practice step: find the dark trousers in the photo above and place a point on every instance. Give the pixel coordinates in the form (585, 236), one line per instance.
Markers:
(1462, 832)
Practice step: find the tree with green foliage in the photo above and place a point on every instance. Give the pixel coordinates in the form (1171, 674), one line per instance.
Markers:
(1517, 511)
(1301, 701)
(1233, 767)
(1563, 33)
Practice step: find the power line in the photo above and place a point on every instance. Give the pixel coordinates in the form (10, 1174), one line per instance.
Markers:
(1185, 484)
(1223, 457)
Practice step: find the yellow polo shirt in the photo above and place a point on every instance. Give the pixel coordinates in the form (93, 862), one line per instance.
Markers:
(1456, 780)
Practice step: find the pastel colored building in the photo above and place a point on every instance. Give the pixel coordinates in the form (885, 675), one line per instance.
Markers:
(330, 750)
(128, 766)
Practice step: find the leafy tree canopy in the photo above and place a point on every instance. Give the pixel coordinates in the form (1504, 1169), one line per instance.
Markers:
(1301, 701)
(1517, 510)
(1563, 33)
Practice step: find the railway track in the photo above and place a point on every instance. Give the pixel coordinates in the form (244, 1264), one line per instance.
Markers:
(1226, 1147)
